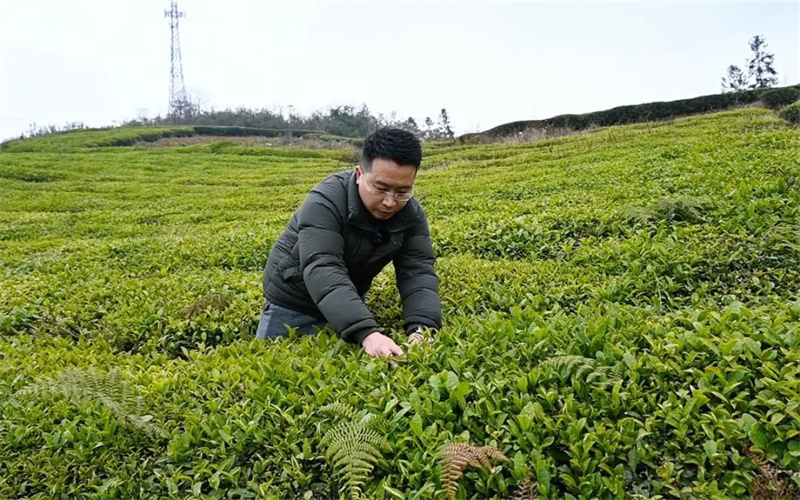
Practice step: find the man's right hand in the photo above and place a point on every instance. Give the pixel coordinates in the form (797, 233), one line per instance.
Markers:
(377, 344)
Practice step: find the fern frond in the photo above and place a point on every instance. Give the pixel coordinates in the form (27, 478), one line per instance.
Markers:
(769, 483)
(82, 387)
(457, 456)
(210, 302)
(683, 209)
(353, 447)
(581, 368)
(341, 410)
(526, 490)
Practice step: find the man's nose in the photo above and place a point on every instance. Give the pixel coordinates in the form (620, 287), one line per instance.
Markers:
(389, 201)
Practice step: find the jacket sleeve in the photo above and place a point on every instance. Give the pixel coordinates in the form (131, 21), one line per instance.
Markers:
(321, 249)
(417, 280)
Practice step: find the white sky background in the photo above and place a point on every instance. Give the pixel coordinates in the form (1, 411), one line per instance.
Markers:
(101, 62)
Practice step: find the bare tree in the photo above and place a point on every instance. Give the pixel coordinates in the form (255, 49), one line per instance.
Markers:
(735, 81)
(444, 125)
(760, 66)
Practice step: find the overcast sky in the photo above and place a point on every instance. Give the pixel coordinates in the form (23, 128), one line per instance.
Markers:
(102, 62)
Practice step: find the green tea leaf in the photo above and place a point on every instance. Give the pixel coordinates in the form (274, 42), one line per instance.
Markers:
(746, 422)
(416, 425)
(452, 381)
(393, 492)
(758, 438)
(710, 447)
(543, 476)
(629, 359)
(461, 390)
(522, 383)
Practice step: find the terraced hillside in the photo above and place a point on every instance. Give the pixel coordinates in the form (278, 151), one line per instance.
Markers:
(622, 320)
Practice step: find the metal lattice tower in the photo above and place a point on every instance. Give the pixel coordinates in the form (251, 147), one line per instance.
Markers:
(179, 106)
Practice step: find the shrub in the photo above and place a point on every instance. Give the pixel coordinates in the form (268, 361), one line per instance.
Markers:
(780, 97)
(791, 113)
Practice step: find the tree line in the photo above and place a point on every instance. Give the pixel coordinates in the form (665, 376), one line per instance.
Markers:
(346, 121)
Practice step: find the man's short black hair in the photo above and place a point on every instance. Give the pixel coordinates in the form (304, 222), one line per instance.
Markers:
(394, 144)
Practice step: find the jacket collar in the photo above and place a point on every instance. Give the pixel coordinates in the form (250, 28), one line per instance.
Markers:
(358, 215)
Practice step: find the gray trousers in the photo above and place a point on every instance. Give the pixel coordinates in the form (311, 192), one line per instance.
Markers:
(275, 319)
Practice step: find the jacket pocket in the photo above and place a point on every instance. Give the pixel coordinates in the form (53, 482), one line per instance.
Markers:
(292, 273)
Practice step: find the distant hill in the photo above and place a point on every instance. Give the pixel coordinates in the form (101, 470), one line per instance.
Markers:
(652, 111)
(135, 133)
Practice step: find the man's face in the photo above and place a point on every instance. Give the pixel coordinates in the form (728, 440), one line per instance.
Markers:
(383, 184)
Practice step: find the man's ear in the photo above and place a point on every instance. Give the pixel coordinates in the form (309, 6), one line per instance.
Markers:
(359, 173)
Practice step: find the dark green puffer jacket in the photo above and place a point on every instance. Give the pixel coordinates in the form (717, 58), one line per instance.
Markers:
(333, 248)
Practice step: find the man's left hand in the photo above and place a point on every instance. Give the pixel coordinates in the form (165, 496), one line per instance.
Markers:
(416, 338)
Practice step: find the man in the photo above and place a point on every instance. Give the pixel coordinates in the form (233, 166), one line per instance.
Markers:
(350, 226)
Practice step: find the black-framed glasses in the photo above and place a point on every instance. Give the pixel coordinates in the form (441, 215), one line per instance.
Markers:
(402, 196)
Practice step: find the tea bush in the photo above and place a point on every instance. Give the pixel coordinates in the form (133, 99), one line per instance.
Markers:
(791, 113)
(780, 97)
(621, 308)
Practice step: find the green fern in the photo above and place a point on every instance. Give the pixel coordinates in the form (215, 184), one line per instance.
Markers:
(353, 447)
(683, 209)
(82, 387)
(581, 368)
(341, 410)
